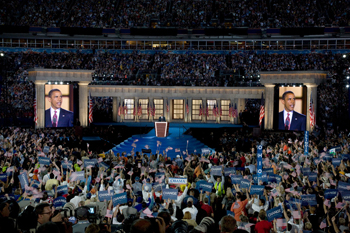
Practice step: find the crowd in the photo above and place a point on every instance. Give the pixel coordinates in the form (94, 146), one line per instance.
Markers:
(217, 192)
(174, 13)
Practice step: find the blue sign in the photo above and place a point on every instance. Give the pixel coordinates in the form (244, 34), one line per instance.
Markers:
(274, 213)
(3, 177)
(308, 200)
(312, 176)
(306, 143)
(104, 195)
(236, 179)
(259, 165)
(345, 195)
(67, 165)
(170, 194)
(44, 161)
(330, 193)
(104, 165)
(275, 178)
(77, 176)
(264, 177)
(206, 187)
(229, 170)
(257, 189)
(90, 162)
(343, 185)
(336, 162)
(23, 179)
(159, 187)
(120, 198)
(216, 170)
(269, 171)
(35, 184)
(245, 184)
(59, 202)
(306, 171)
(46, 149)
(62, 190)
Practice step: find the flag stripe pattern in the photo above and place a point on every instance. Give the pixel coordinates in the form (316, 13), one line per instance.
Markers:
(262, 109)
(91, 119)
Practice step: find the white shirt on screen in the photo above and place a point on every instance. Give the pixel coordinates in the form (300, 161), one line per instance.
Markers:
(285, 116)
(52, 111)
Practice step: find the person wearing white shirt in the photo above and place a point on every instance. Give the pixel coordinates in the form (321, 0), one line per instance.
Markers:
(191, 208)
(262, 204)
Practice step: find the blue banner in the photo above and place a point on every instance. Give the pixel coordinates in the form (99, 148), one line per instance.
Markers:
(306, 171)
(120, 198)
(264, 177)
(336, 162)
(236, 179)
(229, 170)
(343, 186)
(77, 176)
(216, 170)
(62, 190)
(245, 184)
(206, 187)
(24, 180)
(90, 162)
(104, 165)
(345, 195)
(105, 195)
(159, 187)
(306, 143)
(67, 165)
(275, 178)
(36, 184)
(259, 165)
(3, 177)
(269, 171)
(177, 181)
(170, 194)
(330, 193)
(257, 189)
(274, 213)
(44, 161)
(59, 202)
(308, 200)
(312, 176)
(46, 149)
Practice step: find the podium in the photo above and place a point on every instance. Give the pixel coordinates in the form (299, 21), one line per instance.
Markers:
(162, 129)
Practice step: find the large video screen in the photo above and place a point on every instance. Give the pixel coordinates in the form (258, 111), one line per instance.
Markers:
(59, 105)
(291, 109)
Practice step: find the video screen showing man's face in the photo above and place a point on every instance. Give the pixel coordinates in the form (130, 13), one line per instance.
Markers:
(57, 105)
(288, 117)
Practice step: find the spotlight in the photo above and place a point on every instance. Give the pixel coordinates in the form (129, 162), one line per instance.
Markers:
(347, 85)
(56, 83)
(282, 85)
(61, 82)
(344, 55)
(293, 85)
(301, 85)
(49, 82)
(2, 54)
(347, 77)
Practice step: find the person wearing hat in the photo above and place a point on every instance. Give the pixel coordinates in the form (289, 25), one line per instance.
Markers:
(83, 222)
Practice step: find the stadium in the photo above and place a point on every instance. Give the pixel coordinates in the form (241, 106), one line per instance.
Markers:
(174, 116)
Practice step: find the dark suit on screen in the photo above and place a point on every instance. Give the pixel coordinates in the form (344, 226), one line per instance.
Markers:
(161, 118)
(298, 121)
(65, 119)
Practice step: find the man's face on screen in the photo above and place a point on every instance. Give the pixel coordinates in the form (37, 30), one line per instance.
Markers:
(56, 99)
(289, 102)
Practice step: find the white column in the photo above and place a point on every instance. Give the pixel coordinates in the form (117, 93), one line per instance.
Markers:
(115, 109)
(269, 101)
(189, 117)
(166, 114)
(83, 103)
(311, 90)
(204, 101)
(40, 102)
(136, 102)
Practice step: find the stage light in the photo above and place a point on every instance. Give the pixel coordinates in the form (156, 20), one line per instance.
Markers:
(347, 86)
(344, 55)
(347, 77)
(282, 85)
(61, 82)
(49, 82)
(56, 83)
(293, 85)
(2, 54)
(301, 85)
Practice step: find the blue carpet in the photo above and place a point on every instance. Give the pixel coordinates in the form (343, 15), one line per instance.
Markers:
(176, 139)
(174, 124)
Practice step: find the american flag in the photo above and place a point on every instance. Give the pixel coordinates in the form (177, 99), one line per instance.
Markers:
(124, 108)
(177, 150)
(187, 108)
(220, 110)
(200, 110)
(207, 110)
(35, 113)
(91, 119)
(234, 111)
(167, 106)
(262, 109)
(281, 222)
(323, 224)
(312, 112)
(139, 110)
(214, 110)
